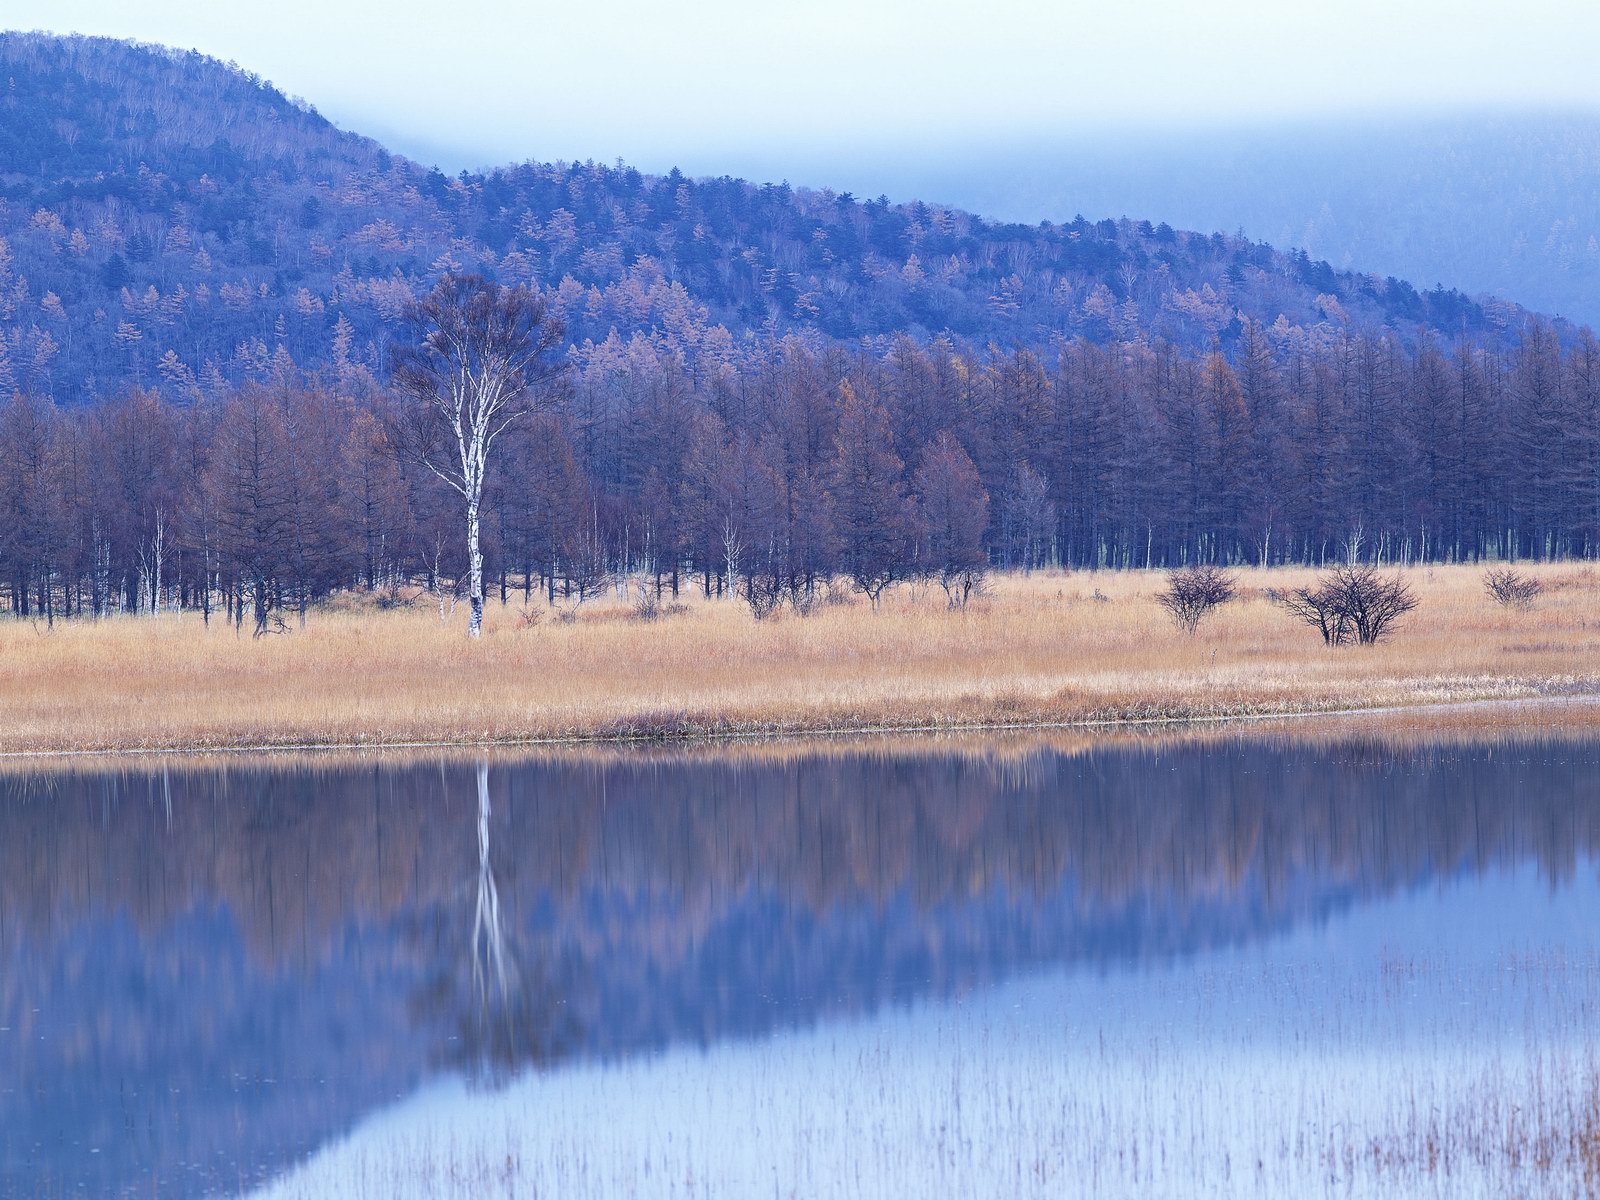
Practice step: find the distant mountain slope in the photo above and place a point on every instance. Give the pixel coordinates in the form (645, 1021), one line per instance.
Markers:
(171, 221)
(1501, 204)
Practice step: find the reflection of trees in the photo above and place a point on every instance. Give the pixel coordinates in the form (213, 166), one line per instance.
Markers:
(678, 844)
(496, 1036)
(508, 1015)
(366, 923)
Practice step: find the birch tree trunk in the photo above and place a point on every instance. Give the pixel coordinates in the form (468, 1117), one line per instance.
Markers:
(478, 367)
(474, 569)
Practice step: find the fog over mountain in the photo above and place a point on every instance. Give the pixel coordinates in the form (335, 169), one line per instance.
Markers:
(1497, 203)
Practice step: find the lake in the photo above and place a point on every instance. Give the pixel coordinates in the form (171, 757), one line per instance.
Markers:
(1354, 961)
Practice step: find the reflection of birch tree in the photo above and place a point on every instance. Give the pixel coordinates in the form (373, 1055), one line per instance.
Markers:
(488, 938)
(510, 1015)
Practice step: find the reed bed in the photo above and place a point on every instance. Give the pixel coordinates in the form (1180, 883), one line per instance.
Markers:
(1047, 648)
(1508, 724)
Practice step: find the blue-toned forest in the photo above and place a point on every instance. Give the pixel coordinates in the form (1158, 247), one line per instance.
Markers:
(202, 292)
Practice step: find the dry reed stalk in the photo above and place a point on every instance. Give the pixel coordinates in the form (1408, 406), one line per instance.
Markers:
(1038, 649)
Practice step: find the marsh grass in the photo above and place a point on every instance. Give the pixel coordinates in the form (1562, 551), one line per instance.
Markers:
(1539, 722)
(1052, 647)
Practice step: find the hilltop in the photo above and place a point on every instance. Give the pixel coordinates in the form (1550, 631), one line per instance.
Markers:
(171, 221)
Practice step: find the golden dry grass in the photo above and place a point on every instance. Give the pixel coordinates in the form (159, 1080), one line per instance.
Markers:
(1049, 648)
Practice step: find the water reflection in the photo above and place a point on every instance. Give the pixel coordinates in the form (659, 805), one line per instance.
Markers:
(512, 1015)
(207, 973)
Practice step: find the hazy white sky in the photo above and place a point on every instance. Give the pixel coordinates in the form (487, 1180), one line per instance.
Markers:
(721, 83)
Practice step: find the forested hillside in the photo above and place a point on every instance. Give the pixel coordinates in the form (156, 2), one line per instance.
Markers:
(174, 223)
(201, 284)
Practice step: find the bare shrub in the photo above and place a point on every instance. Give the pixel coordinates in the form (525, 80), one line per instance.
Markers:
(392, 598)
(268, 623)
(767, 592)
(960, 584)
(1193, 592)
(1351, 604)
(1511, 588)
(1376, 602)
(803, 600)
(1317, 607)
(837, 597)
(764, 594)
(648, 605)
(529, 618)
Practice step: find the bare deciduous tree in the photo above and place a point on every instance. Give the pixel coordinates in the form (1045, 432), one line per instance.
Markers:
(1510, 588)
(152, 558)
(765, 592)
(479, 362)
(955, 513)
(732, 551)
(766, 585)
(1351, 603)
(1318, 607)
(1193, 592)
(874, 516)
(584, 572)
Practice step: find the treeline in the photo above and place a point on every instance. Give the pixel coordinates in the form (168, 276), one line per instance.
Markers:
(804, 463)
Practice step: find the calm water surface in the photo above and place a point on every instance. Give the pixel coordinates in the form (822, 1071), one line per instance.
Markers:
(1231, 967)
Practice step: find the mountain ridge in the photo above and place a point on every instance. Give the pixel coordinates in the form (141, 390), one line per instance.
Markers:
(177, 223)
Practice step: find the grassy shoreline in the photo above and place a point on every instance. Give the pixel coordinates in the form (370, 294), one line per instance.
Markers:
(1062, 650)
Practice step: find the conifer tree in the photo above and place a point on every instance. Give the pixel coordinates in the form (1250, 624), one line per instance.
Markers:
(873, 517)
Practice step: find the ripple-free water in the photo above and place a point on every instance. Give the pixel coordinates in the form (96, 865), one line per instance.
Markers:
(1256, 966)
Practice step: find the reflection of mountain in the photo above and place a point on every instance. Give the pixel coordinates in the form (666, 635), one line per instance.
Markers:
(204, 974)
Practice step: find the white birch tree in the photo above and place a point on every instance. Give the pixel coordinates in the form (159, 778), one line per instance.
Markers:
(481, 359)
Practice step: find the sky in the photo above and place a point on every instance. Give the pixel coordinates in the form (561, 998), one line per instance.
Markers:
(744, 86)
